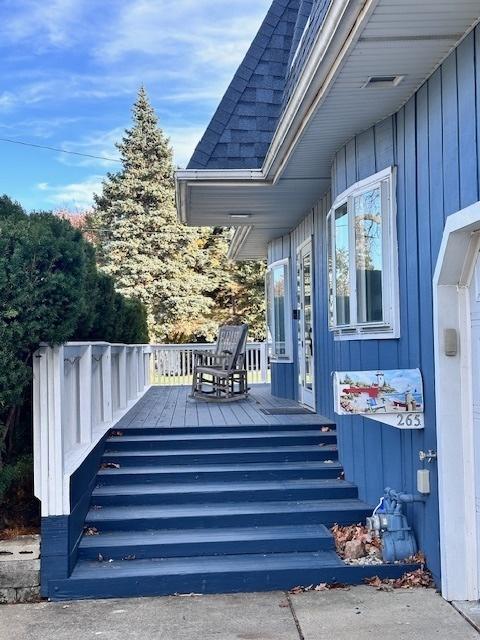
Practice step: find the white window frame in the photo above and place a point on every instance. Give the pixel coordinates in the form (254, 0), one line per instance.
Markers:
(288, 355)
(390, 326)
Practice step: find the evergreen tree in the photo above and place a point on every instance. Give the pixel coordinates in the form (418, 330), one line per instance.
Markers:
(140, 243)
(237, 289)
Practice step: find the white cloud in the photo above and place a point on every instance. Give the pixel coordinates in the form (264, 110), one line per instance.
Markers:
(155, 28)
(7, 100)
(50, 23)
(98, 143)
(184, 140)
(73, 196)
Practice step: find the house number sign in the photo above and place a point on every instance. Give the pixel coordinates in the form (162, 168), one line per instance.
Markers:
(394, 397)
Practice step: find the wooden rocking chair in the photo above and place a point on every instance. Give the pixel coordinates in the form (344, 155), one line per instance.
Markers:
(220, 375)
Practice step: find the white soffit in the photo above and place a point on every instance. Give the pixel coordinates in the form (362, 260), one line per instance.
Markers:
(402, 37)
(407, 38)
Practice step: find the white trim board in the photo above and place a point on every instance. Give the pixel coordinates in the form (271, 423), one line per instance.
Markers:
(454, 401)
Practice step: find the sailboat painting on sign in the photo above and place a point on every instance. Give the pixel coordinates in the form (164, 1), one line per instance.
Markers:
(376, 393)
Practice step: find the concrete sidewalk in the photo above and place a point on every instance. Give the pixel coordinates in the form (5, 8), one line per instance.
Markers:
(356, 614)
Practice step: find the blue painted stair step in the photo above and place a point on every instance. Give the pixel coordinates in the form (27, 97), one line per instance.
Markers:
(225, 472)
(212, 574)
(216, 510)
(164, 442)
(213, 456)
(156, 543)
(210, 492)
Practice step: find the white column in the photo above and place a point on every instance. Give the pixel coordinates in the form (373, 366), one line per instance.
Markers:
(53, 464)
(122, 377)
(147, 364)
(106, 368)
(85, 395)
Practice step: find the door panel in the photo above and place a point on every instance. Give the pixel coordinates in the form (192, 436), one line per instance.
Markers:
(306, 366)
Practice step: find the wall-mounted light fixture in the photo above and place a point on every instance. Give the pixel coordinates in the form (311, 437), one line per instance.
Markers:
(240, 216)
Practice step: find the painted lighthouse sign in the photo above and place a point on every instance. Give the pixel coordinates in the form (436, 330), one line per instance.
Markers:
(379, 392)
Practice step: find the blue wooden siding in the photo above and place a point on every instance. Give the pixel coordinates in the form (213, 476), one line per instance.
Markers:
(434, 141)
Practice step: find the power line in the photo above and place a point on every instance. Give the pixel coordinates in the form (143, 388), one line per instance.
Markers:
(73, 153)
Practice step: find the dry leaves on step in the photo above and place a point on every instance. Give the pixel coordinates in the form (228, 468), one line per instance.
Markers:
(91, 531)
(418, 558)
(325, 429)
(323, 586)
(110, 465)
(358, 533)
(410, 580)
(117, 434)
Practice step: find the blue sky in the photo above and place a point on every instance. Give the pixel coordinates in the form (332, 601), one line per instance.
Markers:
(70, 69)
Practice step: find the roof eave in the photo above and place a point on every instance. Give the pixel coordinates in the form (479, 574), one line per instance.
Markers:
(186, 178)
(340, 30)
(343, 22)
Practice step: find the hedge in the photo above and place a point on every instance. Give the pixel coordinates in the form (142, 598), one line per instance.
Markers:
(50, 291)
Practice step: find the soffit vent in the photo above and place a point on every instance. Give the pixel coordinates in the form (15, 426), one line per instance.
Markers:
(383, 81)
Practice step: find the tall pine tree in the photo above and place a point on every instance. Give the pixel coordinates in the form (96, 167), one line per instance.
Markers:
(140, 243)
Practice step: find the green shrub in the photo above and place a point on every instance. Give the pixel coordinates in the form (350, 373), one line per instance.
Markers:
(50, 291)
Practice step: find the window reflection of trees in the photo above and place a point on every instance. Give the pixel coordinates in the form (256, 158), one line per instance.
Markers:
(368, 231)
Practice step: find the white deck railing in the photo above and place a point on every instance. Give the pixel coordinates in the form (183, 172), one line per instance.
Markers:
(81, 390)
(173, 363)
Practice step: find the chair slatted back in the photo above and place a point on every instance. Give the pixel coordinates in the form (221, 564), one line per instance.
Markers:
(232, 340)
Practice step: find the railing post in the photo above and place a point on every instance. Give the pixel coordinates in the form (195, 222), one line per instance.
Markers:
(147, 366)
(122, 377)
(48, 369)
(138, 370)
(106, 368)
(56, 435)
(263, 362)
(85, 395)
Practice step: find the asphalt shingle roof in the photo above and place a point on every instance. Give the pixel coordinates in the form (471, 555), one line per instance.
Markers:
(318, 11)
(243, 125)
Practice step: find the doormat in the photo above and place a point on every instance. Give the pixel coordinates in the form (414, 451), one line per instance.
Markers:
(287, 411)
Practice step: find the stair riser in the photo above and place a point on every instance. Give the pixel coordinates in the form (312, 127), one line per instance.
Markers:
(204, 521)
(235, 547)
(334, 493)
(230, 582)
(117, 477)
(121, 444)
(169, 431)
(220, 458)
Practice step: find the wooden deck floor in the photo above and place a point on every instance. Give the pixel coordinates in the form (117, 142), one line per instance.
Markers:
(171, 407)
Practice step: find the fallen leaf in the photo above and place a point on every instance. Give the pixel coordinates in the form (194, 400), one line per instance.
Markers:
(110, 465)
(296, 590)
(91, 531)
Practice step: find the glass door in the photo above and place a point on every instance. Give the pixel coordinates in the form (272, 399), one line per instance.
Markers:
(306, 365)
